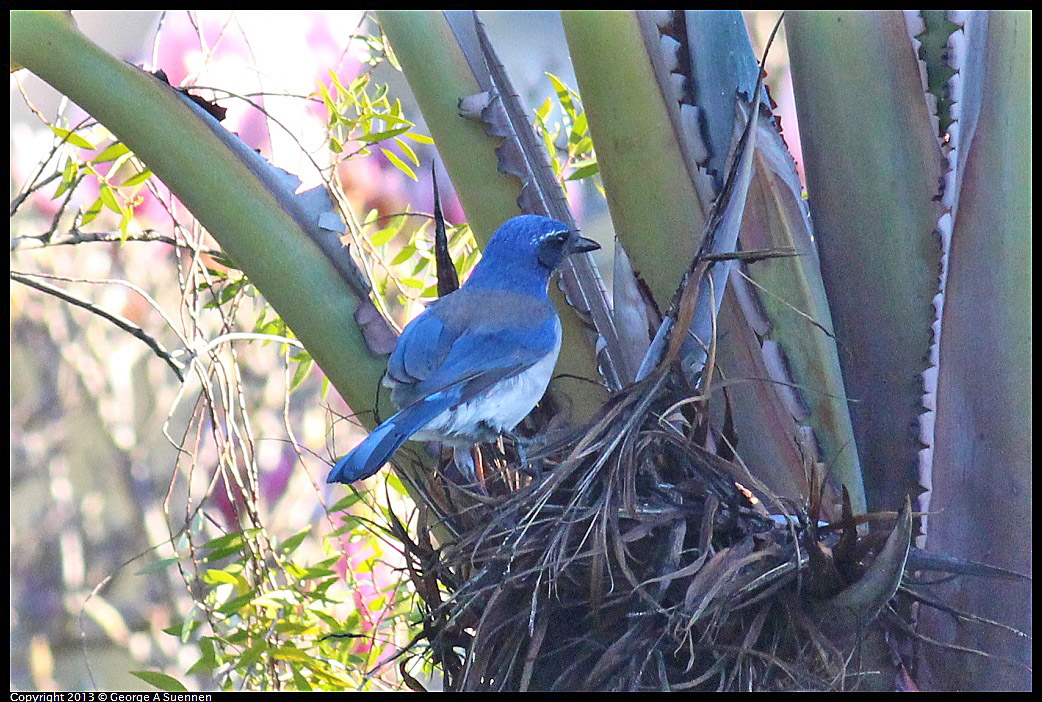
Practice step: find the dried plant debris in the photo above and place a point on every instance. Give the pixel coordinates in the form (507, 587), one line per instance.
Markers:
(628, 556)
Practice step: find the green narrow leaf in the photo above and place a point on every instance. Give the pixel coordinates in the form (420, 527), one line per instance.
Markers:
(345, 503)
(543, 111)
(233, 539)
(111, 152)
(137, 178)
(584, 171)
(124, 223)
(407, 150)
(71, 137)
(404, 255)
(208, 658)
(108, 198)
(292, 543)
(399, 164)
(564, 95)
(69, 173)
(160, 680)
(92, 212)
(300, 681)
(421, 138)
(214, 576)
(384, 235)
(387, 134)
(301, 373)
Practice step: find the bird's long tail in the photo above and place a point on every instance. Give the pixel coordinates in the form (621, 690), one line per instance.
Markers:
(371, 454)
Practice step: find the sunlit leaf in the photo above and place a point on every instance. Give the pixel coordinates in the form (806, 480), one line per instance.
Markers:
(407, 150)
(108, 198)
(380, 136)
(137, 178)
(111, 153)
(399, 164)
(92, 212)
(71, 137)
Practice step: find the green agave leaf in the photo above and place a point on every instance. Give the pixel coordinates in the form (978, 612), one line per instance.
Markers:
(444, 67)
(874, 170)
(981, 500)
(658, 216)
(792, 367)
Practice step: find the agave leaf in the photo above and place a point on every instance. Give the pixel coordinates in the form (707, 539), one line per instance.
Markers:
(980, 504)
(721, 62)
(675, 156)
(722, 237)
(444, 69)
(934, 51)
(523, 154)
(793, 330)
(658, 215)
(798, 352)
(874, 170)
(941, 563)
(632, 312)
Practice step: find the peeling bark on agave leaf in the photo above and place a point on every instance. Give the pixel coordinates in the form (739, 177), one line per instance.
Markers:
(698, 323)
(443, 69)
(765, 428)
(873, 172)
(632, 313)
(721, 62)
(981, 501)
(655, 208)
(522, 154)
(247, 205)
(725, 221)
(933, 35)
(440, 77)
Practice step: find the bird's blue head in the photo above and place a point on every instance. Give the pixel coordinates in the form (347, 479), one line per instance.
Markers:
(525, 251)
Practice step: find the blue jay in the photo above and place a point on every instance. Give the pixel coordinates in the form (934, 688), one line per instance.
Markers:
(475, 362)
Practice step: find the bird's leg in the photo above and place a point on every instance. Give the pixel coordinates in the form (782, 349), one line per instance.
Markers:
(473, 471)
(522, 444)
(479, 468)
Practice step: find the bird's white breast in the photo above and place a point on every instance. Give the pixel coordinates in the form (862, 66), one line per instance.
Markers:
(501, 407)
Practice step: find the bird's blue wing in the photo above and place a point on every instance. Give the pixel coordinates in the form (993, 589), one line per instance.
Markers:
(471, 340)
(420, 349)
(460, 346)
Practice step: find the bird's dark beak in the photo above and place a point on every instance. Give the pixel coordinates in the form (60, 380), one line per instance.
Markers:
(579, 244)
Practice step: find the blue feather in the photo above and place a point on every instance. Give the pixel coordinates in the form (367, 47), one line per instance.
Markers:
(371, 454)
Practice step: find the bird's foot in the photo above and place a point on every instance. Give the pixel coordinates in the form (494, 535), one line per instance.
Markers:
(525, 444)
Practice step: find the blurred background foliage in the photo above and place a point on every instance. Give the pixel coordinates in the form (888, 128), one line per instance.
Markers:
(125, 481)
